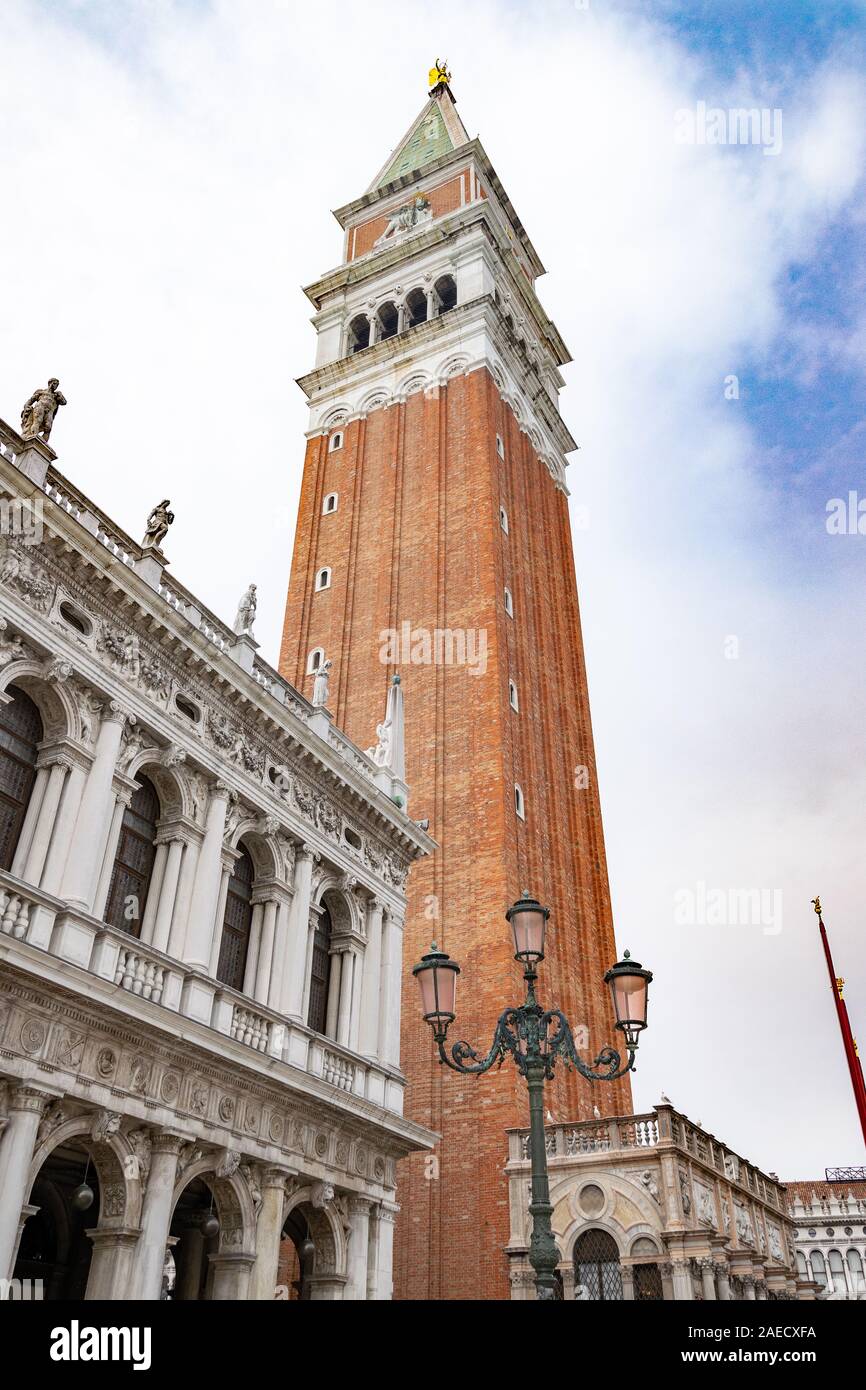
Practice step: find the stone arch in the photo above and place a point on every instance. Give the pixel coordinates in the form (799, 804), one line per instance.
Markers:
(344, 910)
(416, 381)
(120, 1187)
(233, 1201)
(170, 786)
(454, 366)
(338, 415)
(326, 1231)
(57, 706)
(374, 400)
(262, 847)
(644, 1244)
(580, 1227)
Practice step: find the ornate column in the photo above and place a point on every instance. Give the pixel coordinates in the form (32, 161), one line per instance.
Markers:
(681, 1278)
(26, 1108)
(723, 1283)
(231, 1277)
(269, 1230)
(253, 949)
(266, 950)
(85, 849)
(58, 849)
(281, 949)
(111, 1264)
(148, 920)
(177, 935)
(385, 1262)
(208, 876)
(347, 992)
(229, 859)
(156, 1215)
(368, 1041)
(748, 1282)
(32, 849)
(168, 893)
(392, 958)
(707, 1267)
(627, 1276)
(293, 985)
(189, 1260)
(761, 1289)
(359, 1241)
(332, 1017)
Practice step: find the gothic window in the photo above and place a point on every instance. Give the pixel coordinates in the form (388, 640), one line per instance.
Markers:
(133, 862)
(596, 1268)
(503, 519)
(314, 660)
(20, 733)
(323, 579)
(512, 696)
(335, 442)
(320, 971)
(446, 293)
(416, 308)
(330, 504)
(509, 603)
(387, 322)
(235, 940)
(359, 334)
(518, 801)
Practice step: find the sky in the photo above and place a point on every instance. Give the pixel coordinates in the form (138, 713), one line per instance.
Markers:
(169, 170)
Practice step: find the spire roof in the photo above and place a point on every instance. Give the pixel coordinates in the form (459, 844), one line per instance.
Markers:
(436, 131)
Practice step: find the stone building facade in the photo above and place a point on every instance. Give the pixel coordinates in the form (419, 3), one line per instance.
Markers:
(829, 1218)
(433, 537)
(652, 1207)
(202, 902)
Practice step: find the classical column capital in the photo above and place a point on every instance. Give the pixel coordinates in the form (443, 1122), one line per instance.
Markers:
(222, 789)
(164, 1142)
(115, 713)
(276, 1178)
(29, 1099)
(358, 1206)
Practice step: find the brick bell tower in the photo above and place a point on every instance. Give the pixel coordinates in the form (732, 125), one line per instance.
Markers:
(433, 539)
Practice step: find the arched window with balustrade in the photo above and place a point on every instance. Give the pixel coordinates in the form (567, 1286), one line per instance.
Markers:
(133, 862)
(21, 733)
(597, 1274)
(237, 921)
(320, 972)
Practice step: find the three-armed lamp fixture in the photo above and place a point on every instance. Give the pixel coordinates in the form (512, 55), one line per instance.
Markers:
(534, 1037)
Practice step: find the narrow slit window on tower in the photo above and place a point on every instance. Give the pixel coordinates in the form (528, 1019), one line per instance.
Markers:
(359, 334)
(323, 579)
(388, 322)
(446, 293)
(500, 447)
(335, 442)
(314, 660)
(503, 519)
(416, 307)
(512, 696)
(518, 801)
(330, 503)
(509, 602)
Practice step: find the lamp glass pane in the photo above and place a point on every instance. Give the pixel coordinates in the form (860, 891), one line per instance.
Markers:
(528, 931)
(438, 990)
(629, 998)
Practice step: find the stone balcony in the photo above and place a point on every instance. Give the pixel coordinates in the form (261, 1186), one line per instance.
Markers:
(37, 930)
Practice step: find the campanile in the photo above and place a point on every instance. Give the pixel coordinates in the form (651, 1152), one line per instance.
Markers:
(433, 540)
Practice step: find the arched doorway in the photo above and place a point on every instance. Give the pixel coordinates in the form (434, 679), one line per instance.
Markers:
(189, 1272)
(597, 1274)
(21, 732)
(297, 1257)
(54, 1243)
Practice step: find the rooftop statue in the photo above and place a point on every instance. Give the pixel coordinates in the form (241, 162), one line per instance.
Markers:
(320, 686)
(157, 525)
(38, 414)
(246, 614)
(439, 76)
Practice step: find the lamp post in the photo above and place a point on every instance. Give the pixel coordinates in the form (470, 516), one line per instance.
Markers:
(534, 1037)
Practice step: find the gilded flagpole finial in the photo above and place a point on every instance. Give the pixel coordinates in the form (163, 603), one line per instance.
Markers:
(439, 76)
(816, 903)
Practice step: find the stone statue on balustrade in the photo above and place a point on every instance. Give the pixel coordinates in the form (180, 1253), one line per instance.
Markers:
(246, 614)
(320, 687)
(381, 754)
(157, 525)
(38, 414)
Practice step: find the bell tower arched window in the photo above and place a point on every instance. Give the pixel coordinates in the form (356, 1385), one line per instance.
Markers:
(133, 862)
(320, 972)
(20, 734)
(235, 941)
(596, 1267)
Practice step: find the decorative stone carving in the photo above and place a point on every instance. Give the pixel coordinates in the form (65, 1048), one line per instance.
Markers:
(648, 1181)
(12, 647)
(706, 1206)
(228, 1164)
(321, 1194)
(246, 614)
(106, 1062)
(37, 416)
(54, 1117)
(141, 1143)
(69, 1049)
(406, 218)
(685, 1194)
(157, 524)
(33, 1034)
(381, 754)
(251, 1178)
(105, 1124)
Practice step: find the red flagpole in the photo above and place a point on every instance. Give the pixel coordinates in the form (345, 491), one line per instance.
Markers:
(836, 984)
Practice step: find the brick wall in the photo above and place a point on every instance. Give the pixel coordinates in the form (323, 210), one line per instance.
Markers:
(417, 537)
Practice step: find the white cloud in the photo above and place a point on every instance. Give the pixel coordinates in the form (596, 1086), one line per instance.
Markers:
(169, 171)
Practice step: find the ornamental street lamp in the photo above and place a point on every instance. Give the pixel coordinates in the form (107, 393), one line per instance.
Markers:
(534, 1037)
